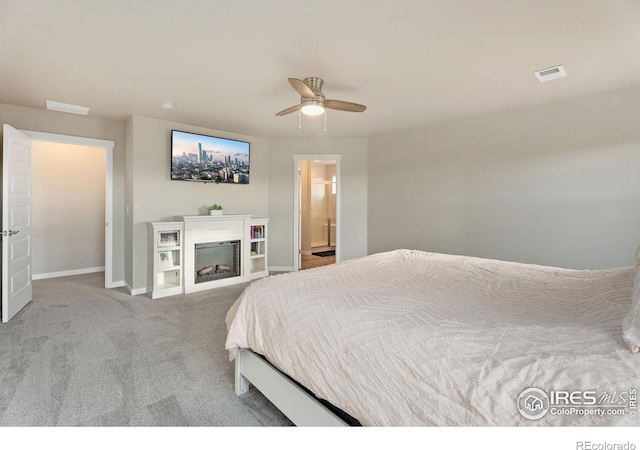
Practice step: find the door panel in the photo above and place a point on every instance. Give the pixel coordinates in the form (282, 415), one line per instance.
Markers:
(16, 222)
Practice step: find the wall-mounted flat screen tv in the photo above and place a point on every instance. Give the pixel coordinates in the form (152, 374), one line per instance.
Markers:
(208, 159)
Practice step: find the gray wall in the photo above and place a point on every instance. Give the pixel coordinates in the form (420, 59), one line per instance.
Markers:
(353, 177)
(555, 184)
(155, 197)
(68, 124)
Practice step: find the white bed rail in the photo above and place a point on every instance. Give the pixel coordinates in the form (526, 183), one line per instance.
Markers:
(300, 407)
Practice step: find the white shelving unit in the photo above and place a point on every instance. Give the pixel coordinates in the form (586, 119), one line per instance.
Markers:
(259, 247)
(165, 259)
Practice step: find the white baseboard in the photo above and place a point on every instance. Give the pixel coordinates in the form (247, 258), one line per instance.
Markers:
(66, 273)
(132, 291)
(117, 284)
(281, 269)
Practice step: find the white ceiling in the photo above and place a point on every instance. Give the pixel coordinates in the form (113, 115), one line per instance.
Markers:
(225, 63)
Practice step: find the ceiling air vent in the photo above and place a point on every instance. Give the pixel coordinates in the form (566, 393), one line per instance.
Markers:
(551, 73)
(67, 108)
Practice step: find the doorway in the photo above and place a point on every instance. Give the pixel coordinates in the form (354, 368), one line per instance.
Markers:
(17, 212)
(68, 209)
(317, 237)
(105, 150)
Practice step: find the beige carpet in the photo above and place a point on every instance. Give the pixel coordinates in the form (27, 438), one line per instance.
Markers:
(83, 355)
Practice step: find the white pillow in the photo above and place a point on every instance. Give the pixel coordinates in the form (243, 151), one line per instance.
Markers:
(631, 322)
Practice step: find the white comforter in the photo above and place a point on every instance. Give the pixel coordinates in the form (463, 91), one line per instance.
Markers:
(414, 338)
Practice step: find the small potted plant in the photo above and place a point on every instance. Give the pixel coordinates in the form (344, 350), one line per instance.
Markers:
(215, 210)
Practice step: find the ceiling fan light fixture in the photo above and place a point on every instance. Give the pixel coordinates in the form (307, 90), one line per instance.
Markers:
(312, 108)
(314, 103)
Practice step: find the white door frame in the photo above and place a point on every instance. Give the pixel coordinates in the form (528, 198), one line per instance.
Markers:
(297, 238)
(108, 232)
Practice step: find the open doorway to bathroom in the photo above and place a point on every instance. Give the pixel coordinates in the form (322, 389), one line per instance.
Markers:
(318, 219)
(318, 205)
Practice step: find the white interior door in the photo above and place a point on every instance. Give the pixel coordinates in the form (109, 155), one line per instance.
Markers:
(16, 222)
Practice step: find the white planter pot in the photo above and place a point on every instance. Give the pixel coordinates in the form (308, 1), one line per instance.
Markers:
(215, 212)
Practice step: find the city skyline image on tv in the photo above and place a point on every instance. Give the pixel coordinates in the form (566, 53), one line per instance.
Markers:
(209, 159)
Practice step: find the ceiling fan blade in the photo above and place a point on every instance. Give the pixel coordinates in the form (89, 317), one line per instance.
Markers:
(344, 106)
(301, 88)
(288, 110)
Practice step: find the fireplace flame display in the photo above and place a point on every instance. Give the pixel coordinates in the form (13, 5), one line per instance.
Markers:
(217, 260)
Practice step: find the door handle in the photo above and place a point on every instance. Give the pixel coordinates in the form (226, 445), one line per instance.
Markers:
(10, 232)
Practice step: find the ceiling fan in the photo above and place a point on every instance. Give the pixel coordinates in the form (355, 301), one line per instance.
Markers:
(313, 102)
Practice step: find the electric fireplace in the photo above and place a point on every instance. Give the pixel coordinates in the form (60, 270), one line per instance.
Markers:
(216, 251)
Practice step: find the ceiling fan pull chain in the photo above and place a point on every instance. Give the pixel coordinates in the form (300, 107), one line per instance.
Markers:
(299, 120)
(325, 120)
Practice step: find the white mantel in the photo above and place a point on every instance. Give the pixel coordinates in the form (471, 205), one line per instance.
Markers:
(201, 229)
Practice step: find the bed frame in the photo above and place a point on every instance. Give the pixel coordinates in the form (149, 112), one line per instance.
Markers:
(294, 402)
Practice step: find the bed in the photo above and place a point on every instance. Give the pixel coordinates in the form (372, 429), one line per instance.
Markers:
(412, 338)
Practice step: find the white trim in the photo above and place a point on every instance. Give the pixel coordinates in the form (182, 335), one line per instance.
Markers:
(108, 146)
(281, 269)
(68, 139)
(139, 291)
(67, 273)
(297, 244)
(317, 157)
(108, 214)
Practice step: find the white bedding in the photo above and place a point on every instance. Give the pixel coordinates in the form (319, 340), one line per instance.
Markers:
(423, 339)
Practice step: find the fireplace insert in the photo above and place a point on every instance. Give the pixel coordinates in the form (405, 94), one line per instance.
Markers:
(216, 260)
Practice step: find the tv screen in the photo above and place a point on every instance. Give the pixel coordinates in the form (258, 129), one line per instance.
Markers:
(208, 159)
